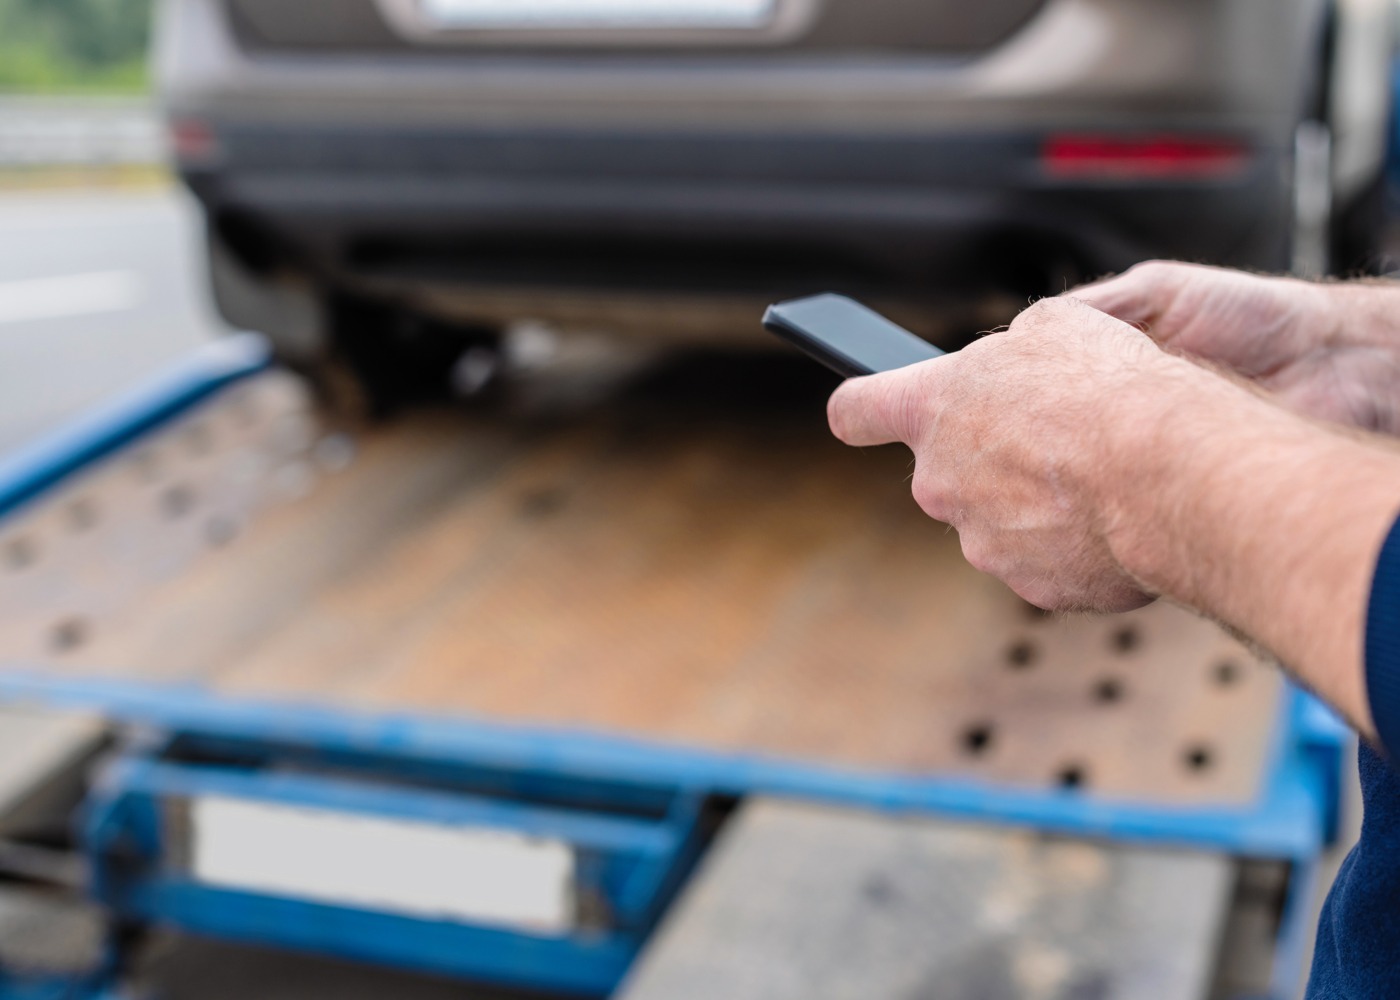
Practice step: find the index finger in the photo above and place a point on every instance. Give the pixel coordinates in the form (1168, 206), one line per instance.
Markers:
(1123, 297)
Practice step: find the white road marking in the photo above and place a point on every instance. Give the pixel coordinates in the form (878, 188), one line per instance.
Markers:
(70, 295)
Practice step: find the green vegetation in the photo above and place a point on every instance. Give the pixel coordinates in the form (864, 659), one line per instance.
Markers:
(74, 46)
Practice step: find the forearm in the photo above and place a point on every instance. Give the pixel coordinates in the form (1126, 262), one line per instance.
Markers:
(1262, 520)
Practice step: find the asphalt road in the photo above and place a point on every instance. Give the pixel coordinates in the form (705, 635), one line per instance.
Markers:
(96, 290)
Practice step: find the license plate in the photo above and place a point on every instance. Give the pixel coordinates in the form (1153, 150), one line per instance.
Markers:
(469, 874)
(627, 14)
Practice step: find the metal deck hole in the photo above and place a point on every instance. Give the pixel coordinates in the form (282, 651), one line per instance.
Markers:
(247, 466)
(198, 439)
(1198, 758)
(220, 530)
(147, 465)
(294, 480)
(19, 553)
(1126, 639)
(1021, 655)
(1033, 613)
(540, 504)
(1226, 673)
(177, 501)
(244, 406)
(334, 452)
(977, 739)
(1071, 776)
(880, 891)
(82, 514)
(1108, 691)
(293, 434)
(68, 634)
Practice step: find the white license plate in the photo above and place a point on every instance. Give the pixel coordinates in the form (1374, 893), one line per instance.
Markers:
(534, 14)
(471, 874)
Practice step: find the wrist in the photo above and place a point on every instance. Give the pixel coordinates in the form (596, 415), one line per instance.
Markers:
(1260, 519)
(1164, 438)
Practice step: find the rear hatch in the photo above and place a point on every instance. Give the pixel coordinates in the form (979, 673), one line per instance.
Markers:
(797, 26)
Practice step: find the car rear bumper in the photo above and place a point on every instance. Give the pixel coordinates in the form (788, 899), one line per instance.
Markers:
(735, 212)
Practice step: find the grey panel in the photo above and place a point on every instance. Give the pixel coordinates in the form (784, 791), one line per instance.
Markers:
(801, 902)
(41, 756)
(1139, 64)
(42, 933)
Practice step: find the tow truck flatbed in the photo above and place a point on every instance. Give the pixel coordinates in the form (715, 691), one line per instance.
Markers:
(660, 575)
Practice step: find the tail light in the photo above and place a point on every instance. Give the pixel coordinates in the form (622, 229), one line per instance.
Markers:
(1150, 157)
(193, 142)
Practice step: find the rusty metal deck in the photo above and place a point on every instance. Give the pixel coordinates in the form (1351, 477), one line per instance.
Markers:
(687, 557)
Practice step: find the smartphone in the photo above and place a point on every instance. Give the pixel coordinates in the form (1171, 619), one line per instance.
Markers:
(847, 337)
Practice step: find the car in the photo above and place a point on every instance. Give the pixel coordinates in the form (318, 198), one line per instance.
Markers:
(391, 183)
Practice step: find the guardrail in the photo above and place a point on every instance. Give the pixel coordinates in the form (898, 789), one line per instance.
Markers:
(79, 132)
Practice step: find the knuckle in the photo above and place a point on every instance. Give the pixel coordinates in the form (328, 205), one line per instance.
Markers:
(1126, 596)
(1045, 318)
(978, 555)
(1046, 313)
(926, 495)
(1152, 270)
(1034, 593)
(931, 497)
(1043, 309)
(1043, 590)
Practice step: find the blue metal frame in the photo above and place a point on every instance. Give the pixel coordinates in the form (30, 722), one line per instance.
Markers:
(572, 772)
(29, 470)
(39, 987)
(581, 967)
(1292, 818)
(1392, 166)
(1296, 930)
(627, 864)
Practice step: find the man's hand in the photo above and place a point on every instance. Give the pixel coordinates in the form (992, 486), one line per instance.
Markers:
(1011, 445)
(1330, 351)
(1088, 468)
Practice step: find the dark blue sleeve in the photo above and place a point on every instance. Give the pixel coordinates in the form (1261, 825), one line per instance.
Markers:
(1383, 645)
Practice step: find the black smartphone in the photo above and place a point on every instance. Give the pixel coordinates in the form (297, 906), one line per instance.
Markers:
(847, 337)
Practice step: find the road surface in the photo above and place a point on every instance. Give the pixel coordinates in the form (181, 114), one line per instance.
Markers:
(96, 290)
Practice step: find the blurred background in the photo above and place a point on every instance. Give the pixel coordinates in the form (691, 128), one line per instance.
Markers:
(547, 228)
(102, 282)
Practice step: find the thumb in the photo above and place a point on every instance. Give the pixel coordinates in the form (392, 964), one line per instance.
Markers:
(878, 409)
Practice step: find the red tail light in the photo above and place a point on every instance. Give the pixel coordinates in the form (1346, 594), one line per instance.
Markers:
(193, 141)
(1153, 157)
